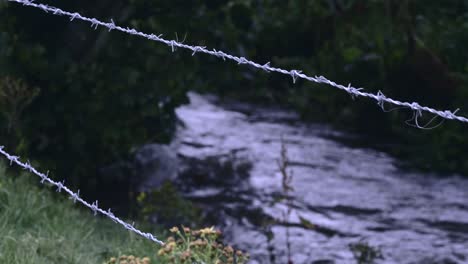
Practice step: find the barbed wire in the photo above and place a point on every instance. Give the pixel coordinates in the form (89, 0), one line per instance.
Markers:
(76, 196)
(295, 74)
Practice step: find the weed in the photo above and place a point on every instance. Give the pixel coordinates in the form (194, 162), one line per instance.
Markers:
(365, 253)
(286, 184)
(199, 246)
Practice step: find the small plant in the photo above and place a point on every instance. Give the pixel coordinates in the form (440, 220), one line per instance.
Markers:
(365, 253)
(124, 259)
(199, 246)
(168, 206)
(15, 96)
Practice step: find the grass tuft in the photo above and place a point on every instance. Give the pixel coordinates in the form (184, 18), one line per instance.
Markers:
(37, 227)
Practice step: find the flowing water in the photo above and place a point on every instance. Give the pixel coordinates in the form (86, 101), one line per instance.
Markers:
(227, 163)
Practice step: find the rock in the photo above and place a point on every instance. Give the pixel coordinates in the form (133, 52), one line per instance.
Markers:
(222, 170)
(324, 261)
(155, 164)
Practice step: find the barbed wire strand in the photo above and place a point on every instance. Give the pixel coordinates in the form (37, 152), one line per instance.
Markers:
(76, 196)
(295, 74)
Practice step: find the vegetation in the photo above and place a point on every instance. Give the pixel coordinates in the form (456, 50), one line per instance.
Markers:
(165, 206)
(364, 253)
(199, 246)
(80, 101)
(94, 96)
(124, 259)
(287, 189)
(40, 227)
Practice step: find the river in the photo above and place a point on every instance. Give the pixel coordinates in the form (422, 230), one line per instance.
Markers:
(227, 164)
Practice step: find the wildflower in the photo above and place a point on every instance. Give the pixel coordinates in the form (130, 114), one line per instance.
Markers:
(169, 247)
(198, 246)
(199, 242)
(229, 250)
(185, 255)
(208, 231)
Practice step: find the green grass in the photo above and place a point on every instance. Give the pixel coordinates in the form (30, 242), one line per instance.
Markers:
(38, 226)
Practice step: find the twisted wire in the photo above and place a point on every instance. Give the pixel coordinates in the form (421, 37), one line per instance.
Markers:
(295, 74)
(76, 196)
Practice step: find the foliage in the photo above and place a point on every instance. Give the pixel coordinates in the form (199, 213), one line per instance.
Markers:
(38, 227)
(105, 93)
(102, 94)
(365, 253)
(124, 259)
(15, 96)
(166, 207)
(199, 246)
(410, 50)
(41, 227)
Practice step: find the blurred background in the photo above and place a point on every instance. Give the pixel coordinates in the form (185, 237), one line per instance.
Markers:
(82, 102)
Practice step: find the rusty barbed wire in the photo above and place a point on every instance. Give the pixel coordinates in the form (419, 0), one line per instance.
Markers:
(76, 196)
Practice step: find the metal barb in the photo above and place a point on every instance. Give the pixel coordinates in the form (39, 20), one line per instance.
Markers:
(295, 75)
(60, 186)
(94, 207)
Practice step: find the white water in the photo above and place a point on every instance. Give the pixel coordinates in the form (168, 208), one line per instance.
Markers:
(349, 193)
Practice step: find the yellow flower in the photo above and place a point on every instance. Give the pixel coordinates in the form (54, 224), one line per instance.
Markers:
(199, 242)
(208, 231)
(175, 229)
(169, 246)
